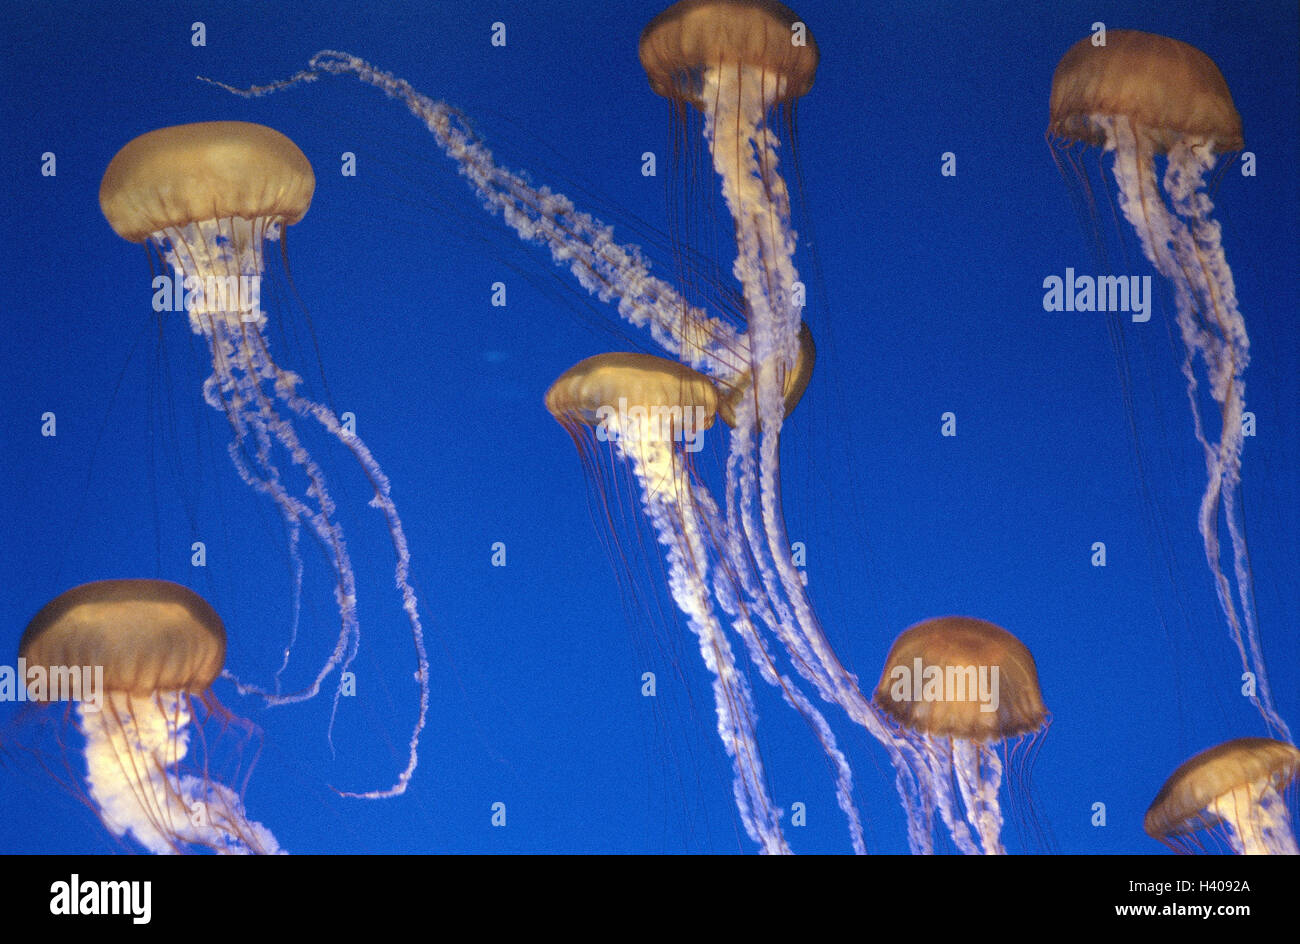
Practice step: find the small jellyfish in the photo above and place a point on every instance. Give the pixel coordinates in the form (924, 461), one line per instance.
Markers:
(1236, 792)
(1139, 97)
(652, 412)
(154, 648)
(208, 196)
(736, 63)
(956, 688)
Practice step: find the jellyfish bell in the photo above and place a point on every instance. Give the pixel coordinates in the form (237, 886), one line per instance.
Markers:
(669, 402)
(1236, 793)
(1135, 97)
(692, 36)
(1168, 91)
(207, 197)
(147, 635)
(964, 694)
(983, 681)
(154, 735)
(209, 170)
(1143, 100)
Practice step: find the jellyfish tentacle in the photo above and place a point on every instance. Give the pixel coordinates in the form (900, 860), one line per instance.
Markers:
(382, 500)
(666, 497)
(243, 372)
(735, 103)
(576, 240)
(133, 745)
(979, 776)
(938, 773)
(238, 366)
(1184, 244)
(235, 389)
(1257, 821)
(728, 583)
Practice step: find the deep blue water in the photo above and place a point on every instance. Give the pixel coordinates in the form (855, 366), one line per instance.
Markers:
(928, 300)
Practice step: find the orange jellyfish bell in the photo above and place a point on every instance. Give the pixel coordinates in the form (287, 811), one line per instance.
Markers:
(1166, 88)
(210, 170)
(955, 650)
(693, 36)
(1235, 791)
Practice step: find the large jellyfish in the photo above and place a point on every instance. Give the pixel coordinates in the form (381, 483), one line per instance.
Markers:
(1139, 96)
(208, 196)
(154, 648)
(1235, 792)
(957, 689)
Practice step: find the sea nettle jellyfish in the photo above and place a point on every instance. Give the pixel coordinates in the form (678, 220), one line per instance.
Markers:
(652, 414)
(208, 196)
(1236, 794)
(153, 649)
(737, 63)
(1142, 97)
(964, 694)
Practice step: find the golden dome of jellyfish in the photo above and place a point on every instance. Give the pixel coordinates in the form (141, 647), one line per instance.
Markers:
(151, 650)
(694, 37)
(208, 196)
(1137, 96)
(210, 171)
(955, 688)
(1236, 792)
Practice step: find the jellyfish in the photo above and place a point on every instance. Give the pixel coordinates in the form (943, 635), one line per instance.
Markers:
(653, 412)
(957, 689)
(1139, 96)
(1237, 792)
(208, 196)
(735, 61)
(644, 407)
(155, 648)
